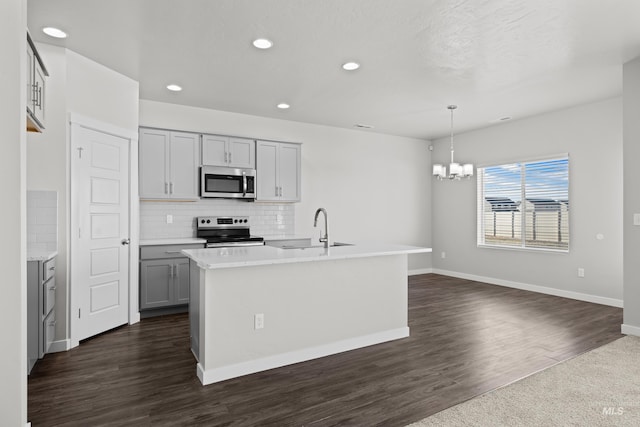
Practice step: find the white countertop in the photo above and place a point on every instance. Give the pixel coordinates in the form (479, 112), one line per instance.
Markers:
(172, 241)
(41, 255)
(214, 258)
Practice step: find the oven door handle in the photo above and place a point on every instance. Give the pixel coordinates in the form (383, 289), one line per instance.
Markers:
(244, 184)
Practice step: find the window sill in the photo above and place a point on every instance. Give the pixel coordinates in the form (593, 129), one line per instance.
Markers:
(522, 249)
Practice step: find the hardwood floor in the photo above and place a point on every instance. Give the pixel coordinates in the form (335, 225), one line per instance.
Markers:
(466, 338)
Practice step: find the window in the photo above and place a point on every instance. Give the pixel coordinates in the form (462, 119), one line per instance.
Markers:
(525, 205)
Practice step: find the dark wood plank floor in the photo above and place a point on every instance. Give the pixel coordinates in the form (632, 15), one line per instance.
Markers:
(466, 338)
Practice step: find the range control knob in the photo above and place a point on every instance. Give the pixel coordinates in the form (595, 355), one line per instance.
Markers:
(246, 220)
(202, 221)
(208, 221)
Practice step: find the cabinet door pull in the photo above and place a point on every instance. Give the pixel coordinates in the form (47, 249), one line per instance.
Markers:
(52, 289)
(166, 188)
(40, 97)
(34, 97)
(276, 191)
(229, 156)
(52, 323)
(172, 252)
(171, 188)
(226, 156)
(52, 268)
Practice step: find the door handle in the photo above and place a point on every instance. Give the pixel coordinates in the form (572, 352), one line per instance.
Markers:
(125, 241)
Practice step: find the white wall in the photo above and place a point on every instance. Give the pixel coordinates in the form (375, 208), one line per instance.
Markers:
(375, 187)
(592, 135)
(79, 85)
(13, 316)
(631, 97)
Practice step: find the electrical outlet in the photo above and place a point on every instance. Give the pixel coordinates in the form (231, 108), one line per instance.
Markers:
(636, 219)
(443, 255)
(258, 321)
(169, 219)
(581, 272)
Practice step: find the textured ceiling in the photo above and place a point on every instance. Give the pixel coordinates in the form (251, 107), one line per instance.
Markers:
(493, 58)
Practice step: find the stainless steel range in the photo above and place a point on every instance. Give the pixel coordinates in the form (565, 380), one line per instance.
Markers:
(226, 231)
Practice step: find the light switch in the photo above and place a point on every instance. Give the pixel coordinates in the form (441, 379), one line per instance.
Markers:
(169, 219)
(636, 219)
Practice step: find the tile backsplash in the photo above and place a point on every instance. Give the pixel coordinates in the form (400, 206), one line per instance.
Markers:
(266, 219)
(42, 221)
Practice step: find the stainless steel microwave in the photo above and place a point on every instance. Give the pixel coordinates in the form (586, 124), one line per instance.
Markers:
(227, 183)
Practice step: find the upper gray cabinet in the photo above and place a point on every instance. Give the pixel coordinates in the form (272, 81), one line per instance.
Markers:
(278, 170)
(36, 75)
(168, 163)
(228, 151)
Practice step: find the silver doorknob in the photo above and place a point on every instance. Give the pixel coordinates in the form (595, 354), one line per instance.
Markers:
(126, 241)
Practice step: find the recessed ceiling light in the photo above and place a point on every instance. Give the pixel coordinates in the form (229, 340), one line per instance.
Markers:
(174, 88)
(262, 43)
(350, 66)
(54, 32)
(283, 106)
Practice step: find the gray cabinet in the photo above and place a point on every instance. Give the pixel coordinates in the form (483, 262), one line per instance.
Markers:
(36, 80)
(164, 276)
(278, 171)
(228, 151)
(168, 163)
(41, 316)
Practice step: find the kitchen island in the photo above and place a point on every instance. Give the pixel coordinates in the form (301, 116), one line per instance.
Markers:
(258, 308)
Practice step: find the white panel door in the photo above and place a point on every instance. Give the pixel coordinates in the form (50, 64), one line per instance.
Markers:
(100, 259)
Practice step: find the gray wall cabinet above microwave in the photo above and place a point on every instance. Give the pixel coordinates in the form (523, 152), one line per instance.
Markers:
(228, 151)
(169, 165)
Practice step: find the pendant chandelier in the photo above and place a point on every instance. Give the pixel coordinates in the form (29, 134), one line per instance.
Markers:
(456, 170)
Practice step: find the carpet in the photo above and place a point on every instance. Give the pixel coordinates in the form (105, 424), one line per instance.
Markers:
(597, 388)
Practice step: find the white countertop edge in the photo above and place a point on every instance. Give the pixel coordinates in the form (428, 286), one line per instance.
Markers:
(41, 255)
(337, 253)
(172, 241)
(278, 237)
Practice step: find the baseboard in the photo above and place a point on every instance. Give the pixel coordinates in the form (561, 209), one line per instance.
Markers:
(534, 288)
(215, 375)
(60, 345)
(630, 330)
(420, 271)
(135, 318)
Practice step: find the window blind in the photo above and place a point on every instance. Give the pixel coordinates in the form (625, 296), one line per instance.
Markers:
(524, 205)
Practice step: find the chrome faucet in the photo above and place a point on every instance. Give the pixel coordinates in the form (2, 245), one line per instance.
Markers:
(324, 239)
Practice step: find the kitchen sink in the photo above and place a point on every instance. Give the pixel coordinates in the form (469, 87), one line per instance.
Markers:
(306, 246)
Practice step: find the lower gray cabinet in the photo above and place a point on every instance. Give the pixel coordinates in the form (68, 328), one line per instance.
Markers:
(164, 276)
(41, 316)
